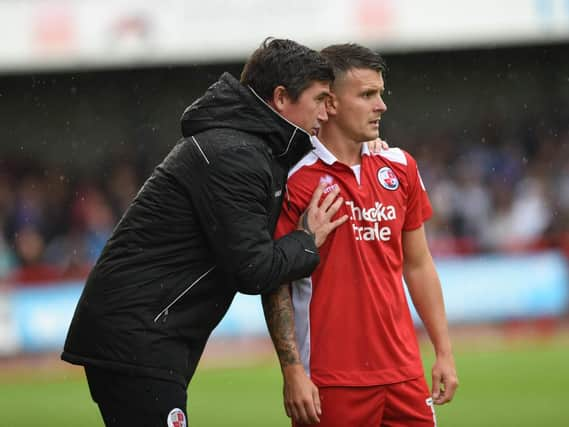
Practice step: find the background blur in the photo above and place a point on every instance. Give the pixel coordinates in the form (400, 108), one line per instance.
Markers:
(91, 93)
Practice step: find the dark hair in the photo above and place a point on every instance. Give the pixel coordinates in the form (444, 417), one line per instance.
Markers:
(287, 63)
(345, 57)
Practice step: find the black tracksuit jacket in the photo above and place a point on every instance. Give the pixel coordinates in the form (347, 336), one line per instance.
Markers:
(199, 230)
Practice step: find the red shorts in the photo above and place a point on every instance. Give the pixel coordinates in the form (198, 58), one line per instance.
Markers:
(406, 404)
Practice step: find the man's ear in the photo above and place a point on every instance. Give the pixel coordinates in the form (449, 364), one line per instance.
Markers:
(332, 104)
(280, 98)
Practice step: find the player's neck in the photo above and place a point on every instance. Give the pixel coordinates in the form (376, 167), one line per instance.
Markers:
(345, 150)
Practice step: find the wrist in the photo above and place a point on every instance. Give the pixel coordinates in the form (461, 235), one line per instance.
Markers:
(293, 370)
(443, 352)
(305, 226)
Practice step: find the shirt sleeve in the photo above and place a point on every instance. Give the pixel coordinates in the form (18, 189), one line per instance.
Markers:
(419, 207)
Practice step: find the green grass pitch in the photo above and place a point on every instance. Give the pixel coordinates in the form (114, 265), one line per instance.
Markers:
(521, 384)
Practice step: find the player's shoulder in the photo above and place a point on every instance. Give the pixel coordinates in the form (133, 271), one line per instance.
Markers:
(304, 165)
(396, 156)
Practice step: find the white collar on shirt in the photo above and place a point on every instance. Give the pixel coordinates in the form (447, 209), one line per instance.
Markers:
(326, 156)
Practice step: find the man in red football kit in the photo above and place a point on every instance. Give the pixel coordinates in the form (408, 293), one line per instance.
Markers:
(347, 344)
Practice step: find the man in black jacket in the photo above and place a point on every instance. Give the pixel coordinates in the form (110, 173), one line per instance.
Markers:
(200, 230)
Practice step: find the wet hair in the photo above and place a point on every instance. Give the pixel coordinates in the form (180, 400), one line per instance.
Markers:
(349, 56)
(287, 63)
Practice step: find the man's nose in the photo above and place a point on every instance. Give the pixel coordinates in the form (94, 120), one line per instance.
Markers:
(322, 113)
(381, 106)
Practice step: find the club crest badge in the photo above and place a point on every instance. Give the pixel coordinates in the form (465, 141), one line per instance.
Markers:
(177, 418)
(387, 179)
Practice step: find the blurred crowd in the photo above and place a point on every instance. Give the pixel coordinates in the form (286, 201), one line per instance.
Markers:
(488, 194)
(497, 193)
(54, 226)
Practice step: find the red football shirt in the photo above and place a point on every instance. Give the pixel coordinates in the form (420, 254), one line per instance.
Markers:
(353, 324)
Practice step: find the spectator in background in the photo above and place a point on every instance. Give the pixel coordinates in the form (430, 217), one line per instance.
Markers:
(92, 213)
(500, 227)
(29, 208)
(91, 223)
(32, 269)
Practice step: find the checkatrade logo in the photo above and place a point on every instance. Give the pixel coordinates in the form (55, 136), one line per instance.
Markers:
(377, 215)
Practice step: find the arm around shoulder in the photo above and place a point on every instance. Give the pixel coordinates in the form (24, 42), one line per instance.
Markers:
(231, 195)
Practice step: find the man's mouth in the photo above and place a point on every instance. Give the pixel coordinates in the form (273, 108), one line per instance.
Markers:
(375, 122)
(314, 131)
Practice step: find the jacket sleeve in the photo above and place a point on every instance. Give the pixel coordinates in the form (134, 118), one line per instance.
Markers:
(230, 194)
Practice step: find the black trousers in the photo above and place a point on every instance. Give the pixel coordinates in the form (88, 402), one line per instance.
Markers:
(126, 401)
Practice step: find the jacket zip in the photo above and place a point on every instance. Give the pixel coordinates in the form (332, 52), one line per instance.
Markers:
(184, 292)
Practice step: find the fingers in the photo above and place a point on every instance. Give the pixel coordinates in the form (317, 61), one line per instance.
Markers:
(450, 385)
(316, 400)
(301, 415)
(336, 223)
(377, 145)
(330, 211)
(302, 401)
(311, 414)
(317, 219)
(444, 389)
(305, 412)
(329, 199)
(436, 388)
(317, 195)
